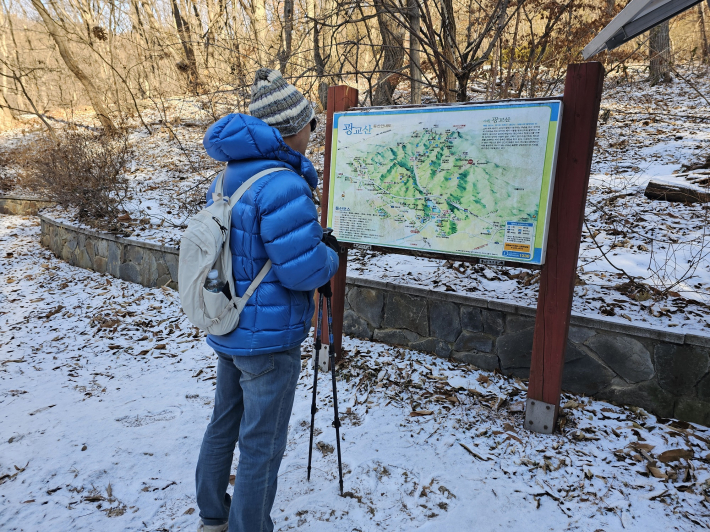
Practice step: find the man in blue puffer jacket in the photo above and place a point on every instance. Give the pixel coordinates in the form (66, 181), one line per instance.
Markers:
(260, 360)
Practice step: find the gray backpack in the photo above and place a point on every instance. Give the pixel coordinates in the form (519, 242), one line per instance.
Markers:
(205, 246)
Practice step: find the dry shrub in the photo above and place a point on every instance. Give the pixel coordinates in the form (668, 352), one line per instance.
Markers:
(8, 177)
(14, 159)
(84, 170)
(17, 164)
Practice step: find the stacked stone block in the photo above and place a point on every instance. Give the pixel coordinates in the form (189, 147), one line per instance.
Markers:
(131, 260)
(663, 372)
(22, 205)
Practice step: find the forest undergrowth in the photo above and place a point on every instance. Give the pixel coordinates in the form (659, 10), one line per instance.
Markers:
(640, 259)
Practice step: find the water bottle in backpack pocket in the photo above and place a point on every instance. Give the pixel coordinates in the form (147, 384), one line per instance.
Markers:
(214, 294)
(214, 283)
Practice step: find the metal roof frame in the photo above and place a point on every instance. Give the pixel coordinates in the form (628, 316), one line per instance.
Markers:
(636, 18)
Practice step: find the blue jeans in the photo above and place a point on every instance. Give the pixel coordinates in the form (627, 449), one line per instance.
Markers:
(253, 403)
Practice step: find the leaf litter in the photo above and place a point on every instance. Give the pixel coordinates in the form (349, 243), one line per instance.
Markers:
(641, 261)
(426, 443)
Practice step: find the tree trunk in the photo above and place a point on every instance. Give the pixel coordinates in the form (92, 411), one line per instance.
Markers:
(392, 34)
(320, 67)
(287, 36)
(659, 51)
(190, 67)
(448, 36)
(415, 63)
(260, 30)
(56, 33)
(6, 119)
(493, 72)
(658, 189)
(505, 90)
(210, 35)
(462, 80)
(155, 36)
(7, 115)
(703, 34)
(200, 26)
(137, 22)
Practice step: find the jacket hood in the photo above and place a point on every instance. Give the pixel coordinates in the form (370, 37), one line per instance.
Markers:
(238, 137)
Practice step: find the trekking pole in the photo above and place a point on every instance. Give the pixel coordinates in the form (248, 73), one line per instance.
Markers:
(315, 378)
(331, 357)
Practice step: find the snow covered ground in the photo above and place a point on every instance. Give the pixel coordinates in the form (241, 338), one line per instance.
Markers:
(644, 132)
(105, 391)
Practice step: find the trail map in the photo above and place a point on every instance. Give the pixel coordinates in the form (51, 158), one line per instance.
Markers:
(465, 180)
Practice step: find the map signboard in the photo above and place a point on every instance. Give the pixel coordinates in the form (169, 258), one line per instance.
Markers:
(467, 180)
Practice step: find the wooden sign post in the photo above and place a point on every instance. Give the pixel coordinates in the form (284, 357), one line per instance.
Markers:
(581, 99)
(340, 98)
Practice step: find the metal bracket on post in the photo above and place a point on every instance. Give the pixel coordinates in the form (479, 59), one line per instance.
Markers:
(322, 358)
(539, 416)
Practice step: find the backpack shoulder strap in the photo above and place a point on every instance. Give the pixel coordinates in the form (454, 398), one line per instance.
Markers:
(242, 301)
(234, 198)
(219, 187)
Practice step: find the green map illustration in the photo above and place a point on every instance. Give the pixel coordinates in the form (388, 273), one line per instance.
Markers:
(466, 180)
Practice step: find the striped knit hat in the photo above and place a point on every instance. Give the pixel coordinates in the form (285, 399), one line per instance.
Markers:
(279, 103)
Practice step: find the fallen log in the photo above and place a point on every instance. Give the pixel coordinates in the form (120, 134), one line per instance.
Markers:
(667, 190)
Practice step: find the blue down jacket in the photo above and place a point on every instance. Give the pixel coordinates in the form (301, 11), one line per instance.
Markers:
(275, 219)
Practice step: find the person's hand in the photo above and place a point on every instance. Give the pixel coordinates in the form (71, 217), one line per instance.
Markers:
(332, 242)
(326, 290)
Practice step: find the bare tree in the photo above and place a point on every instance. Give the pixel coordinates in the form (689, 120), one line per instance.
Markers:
(157, 49)
(482, 36)
(703, 34)
(511, 57)
(60, 39)
(190, 66)
(539, 42)
(260, 32)
(319, 64)
(448, 48)
(415, 63)
(7, 115)
(659, 52)
(392, 33)
(17, 72)
(285, 54)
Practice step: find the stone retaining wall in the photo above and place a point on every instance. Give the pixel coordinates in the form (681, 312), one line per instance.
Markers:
(131, 260)
(22, 205)
(662, 371)
(665, 372)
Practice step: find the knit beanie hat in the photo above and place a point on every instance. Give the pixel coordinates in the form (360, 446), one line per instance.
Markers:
(279, 103)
